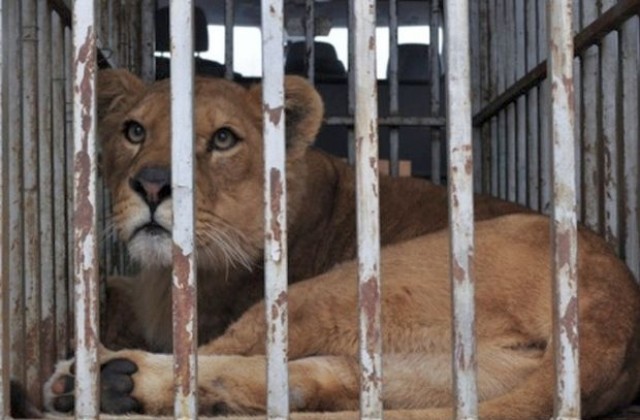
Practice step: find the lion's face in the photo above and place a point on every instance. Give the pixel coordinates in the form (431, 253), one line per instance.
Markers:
(136, 134)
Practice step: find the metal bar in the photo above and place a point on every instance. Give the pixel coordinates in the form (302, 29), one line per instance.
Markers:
(59, 179)
(148, 38)
(589, 36)
(564, 226)
(533, 124)
(309, 39)
(436, 101)
(459, 131)
(392, 77)
(477, 87)
(366, 133)
(5, 408)
(392, 121)
(502, 85)
(521, 104)
(16, 237)
(351, 94)
(84, 210)
(69, 139)
(185, 326)
(577, 87)
(31, 207)
(45, 183)
(275, 193)
(591, 126)
(610, 130)
(494, 70)
(545, 93)
(629, 48)
(510, 78)
(228, 38)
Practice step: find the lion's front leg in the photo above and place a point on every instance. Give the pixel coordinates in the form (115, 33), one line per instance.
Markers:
(136, 381)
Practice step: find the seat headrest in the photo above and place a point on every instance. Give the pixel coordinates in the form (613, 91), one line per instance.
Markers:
(326, 60)
(413, 62)
(201, 35)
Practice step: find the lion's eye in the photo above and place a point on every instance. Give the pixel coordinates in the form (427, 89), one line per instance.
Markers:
(223, 139)
(134, 132)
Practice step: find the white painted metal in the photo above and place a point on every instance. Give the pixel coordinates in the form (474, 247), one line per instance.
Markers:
(275, 208)
(511, 64)
(543, 98)
(84, 215)
(564, 220)
(228, 37)
(436, 101)
(182, 193)
(520, 143)
(69, 139)
(629, 49)
(459, 134)
(366, 133)
(392, 77)
(533, 124)
(148, 40)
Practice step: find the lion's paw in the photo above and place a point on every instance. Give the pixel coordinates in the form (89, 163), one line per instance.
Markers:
(116, 386)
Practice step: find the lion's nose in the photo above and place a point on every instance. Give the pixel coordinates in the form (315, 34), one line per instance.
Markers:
(153, 184)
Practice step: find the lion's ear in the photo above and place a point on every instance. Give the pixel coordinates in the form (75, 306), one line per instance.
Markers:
(116, 89)
(304, 111)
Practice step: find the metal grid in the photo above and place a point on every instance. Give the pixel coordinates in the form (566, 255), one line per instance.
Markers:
(513, 158)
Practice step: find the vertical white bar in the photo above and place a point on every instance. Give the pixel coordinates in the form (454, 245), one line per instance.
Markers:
(185, 328)
(59, 191)
(436, 101)
(610, 133)
(4, 224)
(630, 48)
(577, 88)
(564, 226)
(309, 35)
(366, 136)
(392, 77)
(69, 139)
(461, 207)
(45, 184)
(544, 92)
(275, 195)
(228, 37)
(510, 78)
(31, 207)
(521, 104)
(591, 126)
(84, 209)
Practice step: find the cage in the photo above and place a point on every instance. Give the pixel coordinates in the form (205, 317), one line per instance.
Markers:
(435, 84)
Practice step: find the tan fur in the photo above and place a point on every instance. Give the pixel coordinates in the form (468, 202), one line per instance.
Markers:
(513, 290)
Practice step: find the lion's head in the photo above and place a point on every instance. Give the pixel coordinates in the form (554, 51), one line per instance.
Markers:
(135, 130)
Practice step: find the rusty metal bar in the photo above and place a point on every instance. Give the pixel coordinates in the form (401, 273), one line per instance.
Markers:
(228, 38)
(84, 210)
(366, 133)
(564, 225)
(589, 36)
(459, 130)
(436, 101)
(629, 48)
(533, 133)
(275, 193)
(59, 180)
(185, 326)
(45, 183)
(31, 207)
(69, 140)
(16, 237)
(148, 38)
(591, 126)
(309, 39)
(392, 77)
(577, 87)
(609, 68)
(4, 225)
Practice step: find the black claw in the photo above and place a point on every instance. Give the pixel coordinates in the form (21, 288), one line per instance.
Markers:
(64, 403)
(125, 366)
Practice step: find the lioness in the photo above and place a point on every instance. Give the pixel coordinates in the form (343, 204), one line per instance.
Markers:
(511, 266)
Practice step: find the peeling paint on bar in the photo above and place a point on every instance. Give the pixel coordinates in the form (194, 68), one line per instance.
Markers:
(461, 207)
(275, 251)
(564, 226)
(185, 329)
(366, 135)
(84, 214)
